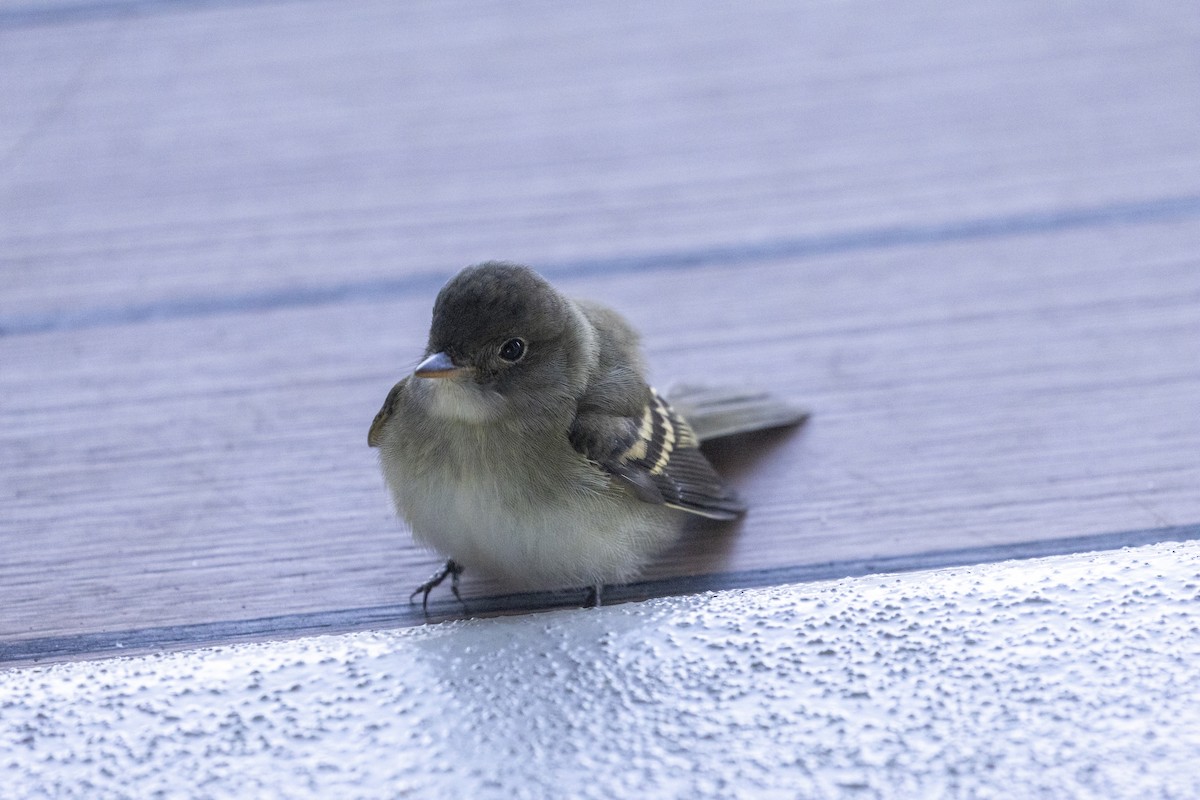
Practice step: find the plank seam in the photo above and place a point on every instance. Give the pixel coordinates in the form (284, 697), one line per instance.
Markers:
(33, 16)
(1165, 209)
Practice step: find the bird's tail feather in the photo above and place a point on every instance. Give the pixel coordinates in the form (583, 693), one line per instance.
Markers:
(715, 412)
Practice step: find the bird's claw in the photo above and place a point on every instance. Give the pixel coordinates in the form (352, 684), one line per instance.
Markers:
(452, 569)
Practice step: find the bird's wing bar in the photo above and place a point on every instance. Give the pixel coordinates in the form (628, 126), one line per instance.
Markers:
(660, 461)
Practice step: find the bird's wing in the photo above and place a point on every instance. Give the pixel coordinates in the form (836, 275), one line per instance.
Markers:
(658, 457)
(718, 411)
(375, 435)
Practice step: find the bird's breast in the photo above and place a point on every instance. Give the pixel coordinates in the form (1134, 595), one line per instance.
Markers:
(529, 512)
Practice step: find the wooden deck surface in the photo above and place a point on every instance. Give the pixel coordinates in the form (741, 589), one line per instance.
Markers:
(967, 236)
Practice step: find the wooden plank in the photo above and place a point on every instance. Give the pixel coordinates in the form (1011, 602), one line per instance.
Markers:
(1035, 388)
(231, 149)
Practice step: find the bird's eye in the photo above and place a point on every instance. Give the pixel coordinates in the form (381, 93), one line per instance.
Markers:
(512, 350)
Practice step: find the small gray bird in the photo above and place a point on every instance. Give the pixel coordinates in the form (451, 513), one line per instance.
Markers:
(527, 444)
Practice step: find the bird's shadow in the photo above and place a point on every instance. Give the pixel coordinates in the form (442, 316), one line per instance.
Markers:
(734, 456)
(706, 544)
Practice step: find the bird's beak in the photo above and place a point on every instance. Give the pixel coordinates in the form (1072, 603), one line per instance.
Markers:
(439, 365)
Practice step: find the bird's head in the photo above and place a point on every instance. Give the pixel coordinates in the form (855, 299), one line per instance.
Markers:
(503, 340)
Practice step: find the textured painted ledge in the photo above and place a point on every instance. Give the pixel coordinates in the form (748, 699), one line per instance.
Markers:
(1068, 676)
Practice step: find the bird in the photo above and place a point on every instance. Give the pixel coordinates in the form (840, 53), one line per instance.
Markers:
(528, 446)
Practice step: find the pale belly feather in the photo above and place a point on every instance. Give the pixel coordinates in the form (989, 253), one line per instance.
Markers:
(563, 524)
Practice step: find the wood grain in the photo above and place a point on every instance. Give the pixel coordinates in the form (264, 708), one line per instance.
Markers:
(966, 238)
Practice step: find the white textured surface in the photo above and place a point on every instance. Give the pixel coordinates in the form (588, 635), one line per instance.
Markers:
(1065, 677)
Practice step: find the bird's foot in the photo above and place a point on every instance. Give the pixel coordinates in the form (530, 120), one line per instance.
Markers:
(452, 570)
(593, 596)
